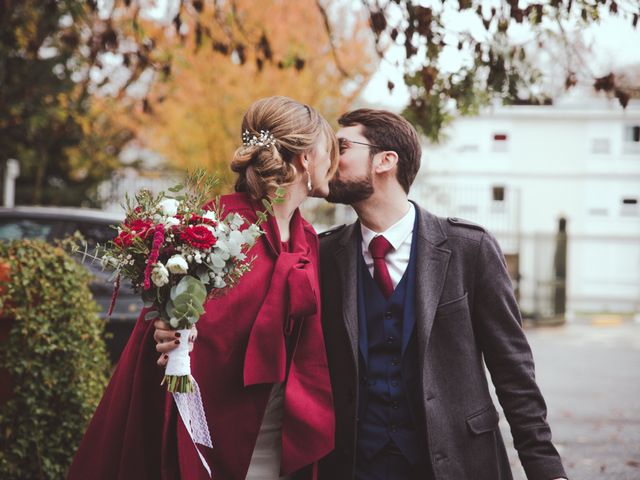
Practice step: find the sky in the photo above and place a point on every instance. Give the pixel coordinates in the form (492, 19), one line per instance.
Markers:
(614, 44)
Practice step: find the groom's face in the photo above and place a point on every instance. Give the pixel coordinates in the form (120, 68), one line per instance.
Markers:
(353, 182)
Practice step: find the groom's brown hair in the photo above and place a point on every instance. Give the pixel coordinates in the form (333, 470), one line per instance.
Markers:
(389, 132)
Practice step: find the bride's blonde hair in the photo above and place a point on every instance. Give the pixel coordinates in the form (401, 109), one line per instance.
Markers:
(296, 129)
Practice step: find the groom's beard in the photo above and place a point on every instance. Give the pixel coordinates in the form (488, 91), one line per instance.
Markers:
(350, 192)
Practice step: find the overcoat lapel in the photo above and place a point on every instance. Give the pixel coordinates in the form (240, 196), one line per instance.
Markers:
(431, 272)
(346, 258)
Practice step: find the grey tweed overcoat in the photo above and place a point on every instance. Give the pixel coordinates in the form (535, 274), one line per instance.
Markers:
(466, 317)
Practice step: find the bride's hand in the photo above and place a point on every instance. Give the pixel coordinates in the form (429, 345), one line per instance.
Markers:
(168, 339)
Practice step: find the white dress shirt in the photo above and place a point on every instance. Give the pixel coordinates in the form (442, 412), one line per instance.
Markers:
(399, 236)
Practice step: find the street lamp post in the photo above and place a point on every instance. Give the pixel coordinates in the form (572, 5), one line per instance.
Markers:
(11, 172)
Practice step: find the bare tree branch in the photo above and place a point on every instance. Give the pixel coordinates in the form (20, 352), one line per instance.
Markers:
(329, 30)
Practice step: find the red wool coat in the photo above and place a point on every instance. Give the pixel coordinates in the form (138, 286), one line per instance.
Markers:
(240, 352)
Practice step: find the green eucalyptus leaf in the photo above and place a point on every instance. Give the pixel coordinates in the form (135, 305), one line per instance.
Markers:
(151, 315)
(191, 284)
(182, 299)
(267, 205)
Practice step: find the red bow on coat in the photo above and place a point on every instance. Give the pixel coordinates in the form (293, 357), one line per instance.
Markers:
(291, 306)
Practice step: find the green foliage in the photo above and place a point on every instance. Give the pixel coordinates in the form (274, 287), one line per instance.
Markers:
(50, 121)
(494, 63)
(186, 304)
(55, 356)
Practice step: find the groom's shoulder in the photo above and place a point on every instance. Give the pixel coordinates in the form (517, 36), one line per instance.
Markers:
(452, 227)
(331, 234)
(462, 225)
(458, 234)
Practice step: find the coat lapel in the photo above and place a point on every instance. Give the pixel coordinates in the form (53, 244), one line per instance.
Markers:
(431, 271)
(346, 258)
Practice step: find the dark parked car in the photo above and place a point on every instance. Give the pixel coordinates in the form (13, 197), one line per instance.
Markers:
(51, 223)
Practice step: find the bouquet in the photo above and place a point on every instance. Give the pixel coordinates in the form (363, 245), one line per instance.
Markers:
(179, 251)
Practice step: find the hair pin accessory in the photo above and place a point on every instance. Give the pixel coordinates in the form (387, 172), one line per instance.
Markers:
(263, 139)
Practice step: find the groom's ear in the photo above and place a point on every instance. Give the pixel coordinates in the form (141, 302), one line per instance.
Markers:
(385, 161)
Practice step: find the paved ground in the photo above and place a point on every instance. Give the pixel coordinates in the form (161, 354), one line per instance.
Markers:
(589, 372)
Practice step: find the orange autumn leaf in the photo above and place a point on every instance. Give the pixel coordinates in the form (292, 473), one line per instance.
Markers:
(196, 114)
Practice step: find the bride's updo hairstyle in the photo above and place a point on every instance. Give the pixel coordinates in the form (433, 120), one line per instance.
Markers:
(274, 131)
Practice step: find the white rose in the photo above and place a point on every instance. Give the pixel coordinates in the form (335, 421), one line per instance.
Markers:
(177, 264)
(171, 222)
(159, 275)
(169, 207)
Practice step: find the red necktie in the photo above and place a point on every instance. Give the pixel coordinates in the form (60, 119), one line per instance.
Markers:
(379, 247)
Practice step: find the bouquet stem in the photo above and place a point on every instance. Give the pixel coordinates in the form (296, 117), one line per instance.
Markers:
(177, 375)
(175, 384)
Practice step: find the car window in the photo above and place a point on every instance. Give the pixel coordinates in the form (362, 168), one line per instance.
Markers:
(95, 232)
(15, 228)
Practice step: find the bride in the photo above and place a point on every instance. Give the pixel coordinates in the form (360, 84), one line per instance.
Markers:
(259, 357)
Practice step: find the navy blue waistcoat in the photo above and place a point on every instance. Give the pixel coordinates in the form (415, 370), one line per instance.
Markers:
(389, 408)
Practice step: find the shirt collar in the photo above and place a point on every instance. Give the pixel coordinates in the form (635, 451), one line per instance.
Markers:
(396, 234)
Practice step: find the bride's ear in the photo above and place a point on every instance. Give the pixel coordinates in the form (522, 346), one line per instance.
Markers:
(301, 162)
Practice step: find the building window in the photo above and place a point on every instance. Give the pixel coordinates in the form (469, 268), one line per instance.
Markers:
(598, 212)
(632, 133)
(632, 139)
(497, 194)
(630, 207)
(600, 145)
(468, 148)
(500, 142)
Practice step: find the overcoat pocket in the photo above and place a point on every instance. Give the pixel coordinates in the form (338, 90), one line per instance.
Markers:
(486, 420)
(454, 305)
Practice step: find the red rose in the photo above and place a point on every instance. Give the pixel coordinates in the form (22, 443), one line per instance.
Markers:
(124, 239)
(139, 227)
(198, 236)
(198, 220)
(131, 229)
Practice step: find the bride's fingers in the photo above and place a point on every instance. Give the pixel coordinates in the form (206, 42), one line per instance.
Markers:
(162, 360)
(166, 347)
(162, 336)
(161, 325)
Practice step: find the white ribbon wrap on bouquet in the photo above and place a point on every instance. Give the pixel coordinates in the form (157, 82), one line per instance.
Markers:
(189, 404)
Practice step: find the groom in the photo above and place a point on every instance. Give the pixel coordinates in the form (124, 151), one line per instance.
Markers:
(414, 307)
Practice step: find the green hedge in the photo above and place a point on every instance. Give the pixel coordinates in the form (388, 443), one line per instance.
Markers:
(55, 356)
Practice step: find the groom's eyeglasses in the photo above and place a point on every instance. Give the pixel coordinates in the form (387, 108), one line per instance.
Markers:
(344, 144)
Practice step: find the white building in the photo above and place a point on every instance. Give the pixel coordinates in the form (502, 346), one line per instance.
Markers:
(518, 169)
